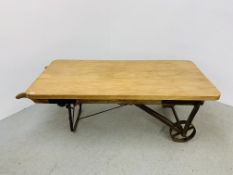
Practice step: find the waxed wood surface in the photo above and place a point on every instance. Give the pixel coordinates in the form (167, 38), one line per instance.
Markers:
(122, 80)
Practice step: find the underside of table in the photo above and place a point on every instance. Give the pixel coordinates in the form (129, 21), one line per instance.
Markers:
(180, 130)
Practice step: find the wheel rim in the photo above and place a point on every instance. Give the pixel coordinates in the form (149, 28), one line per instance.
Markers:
(180, 136)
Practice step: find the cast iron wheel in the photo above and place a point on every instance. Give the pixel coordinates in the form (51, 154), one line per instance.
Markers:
(182, 136)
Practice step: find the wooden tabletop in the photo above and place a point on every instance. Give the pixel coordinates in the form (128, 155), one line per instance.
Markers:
(122, 80)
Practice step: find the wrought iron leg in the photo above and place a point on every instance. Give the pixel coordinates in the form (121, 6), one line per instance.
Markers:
(70, 105)
(181, 130)
(187, 129)
(72, 121)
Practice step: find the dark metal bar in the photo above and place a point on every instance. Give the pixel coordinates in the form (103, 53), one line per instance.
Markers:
(181, 102)
(78, 117)
(158, 116)
(69, 107)
(62, 102)
(175, 113)
(97, 113)
(191, 117)
(72, 121)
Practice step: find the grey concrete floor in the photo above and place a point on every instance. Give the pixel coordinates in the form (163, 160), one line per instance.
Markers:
(37, 140)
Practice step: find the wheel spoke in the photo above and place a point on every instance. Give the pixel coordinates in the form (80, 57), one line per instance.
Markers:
(178, 136)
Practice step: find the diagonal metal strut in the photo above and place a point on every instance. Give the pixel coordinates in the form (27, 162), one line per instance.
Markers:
(158, 116)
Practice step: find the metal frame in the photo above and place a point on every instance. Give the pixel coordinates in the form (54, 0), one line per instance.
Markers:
(73, 122)
(180, 130)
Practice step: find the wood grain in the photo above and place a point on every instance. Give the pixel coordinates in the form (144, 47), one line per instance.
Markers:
(121, 81)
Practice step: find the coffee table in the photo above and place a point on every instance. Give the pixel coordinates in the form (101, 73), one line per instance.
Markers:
(71, 83)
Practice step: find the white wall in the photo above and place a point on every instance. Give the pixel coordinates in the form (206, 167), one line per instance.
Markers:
(33, 32)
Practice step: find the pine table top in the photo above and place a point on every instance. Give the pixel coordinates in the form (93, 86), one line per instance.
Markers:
(112, 80)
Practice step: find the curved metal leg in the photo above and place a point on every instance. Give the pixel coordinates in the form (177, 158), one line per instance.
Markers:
(181, 130)
(187, 129)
